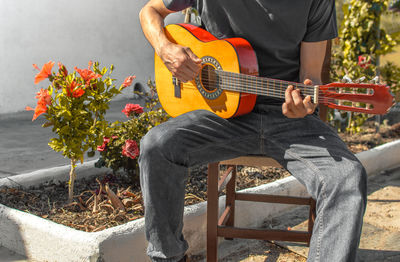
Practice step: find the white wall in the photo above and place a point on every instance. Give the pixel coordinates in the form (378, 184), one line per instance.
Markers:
(72, 32)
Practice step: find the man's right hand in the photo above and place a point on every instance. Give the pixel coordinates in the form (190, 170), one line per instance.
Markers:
(181, 61)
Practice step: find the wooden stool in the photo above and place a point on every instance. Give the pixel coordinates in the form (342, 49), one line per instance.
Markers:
(223, 226)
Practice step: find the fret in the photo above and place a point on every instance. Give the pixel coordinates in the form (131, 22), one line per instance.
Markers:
(248, 83)
(241, 79)
(273, 88)
(226, 81)
(234, 80)
(256, 84)
(229, 80)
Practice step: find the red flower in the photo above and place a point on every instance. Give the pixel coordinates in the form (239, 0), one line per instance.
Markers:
(87, 74)
(44, 73)
(62, 69)
(106, 140)
(104, 145)
(44, 99)
(78, 92)
(73, 91)
(40, 109)
(130, 149)
(363, 61)
(43, 96)
(132, 108)
(128, 81)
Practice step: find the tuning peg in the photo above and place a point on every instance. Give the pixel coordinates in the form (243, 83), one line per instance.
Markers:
(375, 80)
(361, 79)
(347, 79)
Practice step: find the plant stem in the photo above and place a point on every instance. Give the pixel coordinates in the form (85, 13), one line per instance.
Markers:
(72, 176)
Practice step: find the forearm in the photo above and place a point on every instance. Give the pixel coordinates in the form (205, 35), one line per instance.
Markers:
(312, 57)
(315, 78)
(152, 22)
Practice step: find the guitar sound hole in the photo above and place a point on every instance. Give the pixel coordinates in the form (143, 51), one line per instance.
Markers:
(209, 78)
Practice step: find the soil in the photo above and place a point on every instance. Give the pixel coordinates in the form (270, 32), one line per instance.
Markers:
(112, 200)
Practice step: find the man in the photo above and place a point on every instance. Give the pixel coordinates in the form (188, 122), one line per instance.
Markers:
(289, 38)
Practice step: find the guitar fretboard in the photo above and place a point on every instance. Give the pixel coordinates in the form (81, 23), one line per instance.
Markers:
(258, 85)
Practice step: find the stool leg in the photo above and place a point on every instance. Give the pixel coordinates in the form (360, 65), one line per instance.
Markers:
(230, 198)
(311, 218)
(212, 212)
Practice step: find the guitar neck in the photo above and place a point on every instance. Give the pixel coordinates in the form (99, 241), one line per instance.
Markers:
(261, 85)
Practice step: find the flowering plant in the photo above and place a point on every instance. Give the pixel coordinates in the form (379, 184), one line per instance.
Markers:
(120, 147)
(364, 61)
(74, 104)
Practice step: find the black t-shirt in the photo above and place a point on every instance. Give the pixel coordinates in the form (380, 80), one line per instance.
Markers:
(274, 28)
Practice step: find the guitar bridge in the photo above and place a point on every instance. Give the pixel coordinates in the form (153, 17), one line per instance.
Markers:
(177, 87)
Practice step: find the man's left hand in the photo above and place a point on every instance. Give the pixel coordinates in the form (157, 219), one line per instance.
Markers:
(295, 106)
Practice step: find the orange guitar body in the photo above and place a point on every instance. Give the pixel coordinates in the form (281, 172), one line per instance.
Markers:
(232, 55)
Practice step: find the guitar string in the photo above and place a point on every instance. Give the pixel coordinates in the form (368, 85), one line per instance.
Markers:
(234, 75)
(325, 100)
(261, 80)
(260, 92)
(321, 99)
(237, 80)
(266, 87)
(265, 83)
(256, 90)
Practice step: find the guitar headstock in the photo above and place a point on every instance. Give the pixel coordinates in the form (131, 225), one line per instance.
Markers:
(357, 97)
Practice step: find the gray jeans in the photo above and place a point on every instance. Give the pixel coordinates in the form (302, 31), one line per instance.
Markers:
(309, 149)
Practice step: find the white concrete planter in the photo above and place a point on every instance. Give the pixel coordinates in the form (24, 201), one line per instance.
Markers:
(42, 240)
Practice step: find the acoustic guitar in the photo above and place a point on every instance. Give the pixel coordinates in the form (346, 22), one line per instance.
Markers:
(228, 83)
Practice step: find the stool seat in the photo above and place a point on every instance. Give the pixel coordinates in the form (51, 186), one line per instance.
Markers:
(253, 160)
(223, 226)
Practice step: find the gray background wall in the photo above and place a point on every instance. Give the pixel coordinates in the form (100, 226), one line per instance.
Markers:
(72, 32)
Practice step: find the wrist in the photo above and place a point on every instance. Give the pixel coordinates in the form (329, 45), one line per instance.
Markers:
(162, 45)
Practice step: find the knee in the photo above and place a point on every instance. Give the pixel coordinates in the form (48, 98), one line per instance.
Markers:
(151, 143)
(159, 142)
(357, 177)
(350, 181)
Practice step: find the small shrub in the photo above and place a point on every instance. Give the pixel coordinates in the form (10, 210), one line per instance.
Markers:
(74, 106)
